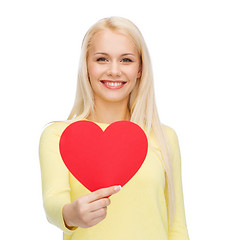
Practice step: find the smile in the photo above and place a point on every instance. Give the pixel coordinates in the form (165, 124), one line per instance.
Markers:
(113, 84)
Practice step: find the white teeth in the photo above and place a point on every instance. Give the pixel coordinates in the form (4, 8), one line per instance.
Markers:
(113, 84)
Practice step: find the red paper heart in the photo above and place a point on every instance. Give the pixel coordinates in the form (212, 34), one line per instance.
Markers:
(100, 159)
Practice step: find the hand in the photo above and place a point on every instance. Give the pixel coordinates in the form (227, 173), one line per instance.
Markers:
(88, 210)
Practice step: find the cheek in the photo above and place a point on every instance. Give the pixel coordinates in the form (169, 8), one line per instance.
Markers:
(95, 71)
(133, 73)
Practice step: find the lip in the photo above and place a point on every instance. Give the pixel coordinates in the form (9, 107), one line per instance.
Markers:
(113, 87)
(120, 81)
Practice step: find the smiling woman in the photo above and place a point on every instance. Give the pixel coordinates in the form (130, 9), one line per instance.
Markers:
(112, 71)
(115, 82)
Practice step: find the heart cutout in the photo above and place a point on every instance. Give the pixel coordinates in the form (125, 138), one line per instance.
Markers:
(100, 159)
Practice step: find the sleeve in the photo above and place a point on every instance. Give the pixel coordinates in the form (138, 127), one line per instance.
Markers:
(55, 176)
(178, 230)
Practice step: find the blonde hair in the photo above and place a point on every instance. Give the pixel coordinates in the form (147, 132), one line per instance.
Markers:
(141, 103)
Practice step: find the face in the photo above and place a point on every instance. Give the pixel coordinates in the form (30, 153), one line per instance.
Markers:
(113, 66)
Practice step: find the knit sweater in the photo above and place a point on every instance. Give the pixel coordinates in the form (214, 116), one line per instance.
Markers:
(138, 212)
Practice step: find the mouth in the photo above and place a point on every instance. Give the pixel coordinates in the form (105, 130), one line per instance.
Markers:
(113, 84)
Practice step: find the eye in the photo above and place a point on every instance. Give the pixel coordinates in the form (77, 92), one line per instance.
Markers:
(127, 60)
(101, 59)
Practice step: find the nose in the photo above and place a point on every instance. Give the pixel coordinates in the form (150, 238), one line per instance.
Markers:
(114, 69)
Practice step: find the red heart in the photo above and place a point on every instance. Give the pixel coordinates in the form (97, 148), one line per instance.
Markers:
(100, 159)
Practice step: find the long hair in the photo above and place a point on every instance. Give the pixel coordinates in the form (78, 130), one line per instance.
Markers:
(142, 106)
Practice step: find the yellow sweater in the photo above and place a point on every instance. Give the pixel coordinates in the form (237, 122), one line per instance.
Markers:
(137, 212)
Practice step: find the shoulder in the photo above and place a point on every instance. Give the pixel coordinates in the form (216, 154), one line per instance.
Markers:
(56, 127)
(171, 138)
(52, 131)
(169, 131)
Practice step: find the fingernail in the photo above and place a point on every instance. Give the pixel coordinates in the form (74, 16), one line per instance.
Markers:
(117, 188)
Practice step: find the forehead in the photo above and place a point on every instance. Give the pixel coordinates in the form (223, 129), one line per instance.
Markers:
(112, 42)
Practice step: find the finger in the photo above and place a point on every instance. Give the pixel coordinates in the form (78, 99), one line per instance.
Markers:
(100, 213)
(104, 208)
(97, 220)
(98, 204)
(103, 192)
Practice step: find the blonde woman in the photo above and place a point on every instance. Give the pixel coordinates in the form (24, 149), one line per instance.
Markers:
(115, 82)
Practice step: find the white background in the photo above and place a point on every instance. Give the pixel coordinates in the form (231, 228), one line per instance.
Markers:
(194, 46)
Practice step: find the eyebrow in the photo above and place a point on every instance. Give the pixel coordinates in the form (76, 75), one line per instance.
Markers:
(103, 53)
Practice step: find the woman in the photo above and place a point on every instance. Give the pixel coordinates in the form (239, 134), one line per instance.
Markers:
(115, 82)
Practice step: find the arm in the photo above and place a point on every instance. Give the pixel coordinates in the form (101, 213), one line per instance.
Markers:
(85, 211)
(178, 230)
(55, 176)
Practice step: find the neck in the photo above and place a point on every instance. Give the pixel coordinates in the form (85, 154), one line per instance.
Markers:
(109, 112)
